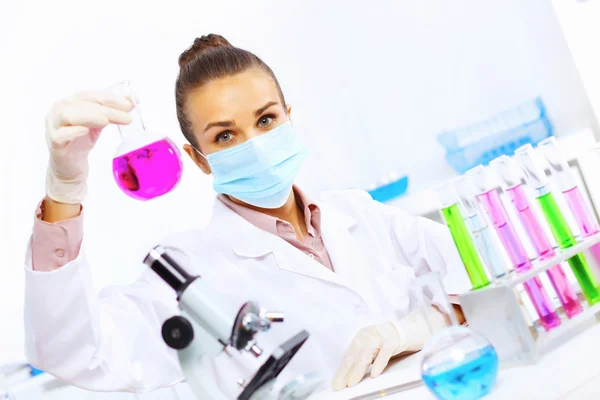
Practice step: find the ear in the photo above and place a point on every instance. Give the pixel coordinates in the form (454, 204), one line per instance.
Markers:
(197, 159)
(289, 112)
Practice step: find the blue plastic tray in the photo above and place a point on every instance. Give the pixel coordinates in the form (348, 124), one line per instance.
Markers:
(483, 141)
(390, 191)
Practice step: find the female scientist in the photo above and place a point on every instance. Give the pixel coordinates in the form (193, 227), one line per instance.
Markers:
(340, 268)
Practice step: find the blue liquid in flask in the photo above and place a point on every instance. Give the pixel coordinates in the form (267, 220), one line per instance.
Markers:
(468, 379)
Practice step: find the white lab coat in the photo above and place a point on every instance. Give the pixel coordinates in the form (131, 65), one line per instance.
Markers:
(112, 341)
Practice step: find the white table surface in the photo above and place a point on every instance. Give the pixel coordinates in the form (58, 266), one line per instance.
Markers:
(570, 372)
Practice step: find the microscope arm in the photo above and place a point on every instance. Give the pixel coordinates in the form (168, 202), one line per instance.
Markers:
(193, 365)
(198, 300)
(197, 360)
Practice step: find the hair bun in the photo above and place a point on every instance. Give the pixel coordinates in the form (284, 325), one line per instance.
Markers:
(201, 45)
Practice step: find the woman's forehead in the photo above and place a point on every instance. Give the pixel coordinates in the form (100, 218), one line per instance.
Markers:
(232, 97)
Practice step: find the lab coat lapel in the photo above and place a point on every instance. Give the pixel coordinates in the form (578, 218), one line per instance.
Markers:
(248, 241)
(291, 259)
(347, 253)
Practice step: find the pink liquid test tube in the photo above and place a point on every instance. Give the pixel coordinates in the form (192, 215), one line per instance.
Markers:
(510, 179)
(568, 185)
(492, 204)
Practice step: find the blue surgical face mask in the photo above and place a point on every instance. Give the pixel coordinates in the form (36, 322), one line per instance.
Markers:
(260, 171)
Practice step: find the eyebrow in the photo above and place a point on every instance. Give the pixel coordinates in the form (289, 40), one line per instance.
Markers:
(227, 124)
(224, 124)
(263, 108)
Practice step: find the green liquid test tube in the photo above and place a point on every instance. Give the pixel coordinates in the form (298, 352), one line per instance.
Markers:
(536, 178)
(465, 246)
(563, 235)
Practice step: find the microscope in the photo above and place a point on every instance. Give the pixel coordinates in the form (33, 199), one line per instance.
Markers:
(204, 330)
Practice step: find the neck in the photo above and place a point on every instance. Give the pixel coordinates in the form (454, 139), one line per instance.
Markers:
(291, 212)
(287, 212)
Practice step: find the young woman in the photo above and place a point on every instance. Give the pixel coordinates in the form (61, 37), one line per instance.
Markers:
(340, 268)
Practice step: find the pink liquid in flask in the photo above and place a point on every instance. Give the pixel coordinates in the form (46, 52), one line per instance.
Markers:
(150, 171)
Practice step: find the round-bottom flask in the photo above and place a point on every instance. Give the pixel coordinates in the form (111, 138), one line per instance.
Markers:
(147, 168)
(459, 364)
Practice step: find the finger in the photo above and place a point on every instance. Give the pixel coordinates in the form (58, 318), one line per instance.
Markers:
(92, 115)
(382, 360)
(339, 380)
(134, 100)
(360, 367)
(65, 134)
(105, 98)
(341, 376)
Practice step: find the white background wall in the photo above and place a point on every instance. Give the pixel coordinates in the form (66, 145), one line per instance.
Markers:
(579, 21)
(370, 86)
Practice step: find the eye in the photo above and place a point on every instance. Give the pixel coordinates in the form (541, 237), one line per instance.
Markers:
(224, 137)
(265, 121)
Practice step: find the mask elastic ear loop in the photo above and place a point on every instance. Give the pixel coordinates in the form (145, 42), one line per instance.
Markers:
(199, 152)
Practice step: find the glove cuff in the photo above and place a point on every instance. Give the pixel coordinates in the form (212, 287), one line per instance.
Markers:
(65, 191)
(414, 329)
(403, 335)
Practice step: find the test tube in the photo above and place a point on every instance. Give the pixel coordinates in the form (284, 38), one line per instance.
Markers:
(568, 186)
(482, 235)
(462, 239)
(493, 206)
(536, 178)
(510, 180)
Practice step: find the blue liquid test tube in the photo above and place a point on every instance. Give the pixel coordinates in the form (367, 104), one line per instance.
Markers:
(482, 234)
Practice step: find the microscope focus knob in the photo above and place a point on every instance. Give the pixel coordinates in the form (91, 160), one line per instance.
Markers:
(272, 316)
(177, 332)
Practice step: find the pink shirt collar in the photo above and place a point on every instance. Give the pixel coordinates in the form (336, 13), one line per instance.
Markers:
(312, 214)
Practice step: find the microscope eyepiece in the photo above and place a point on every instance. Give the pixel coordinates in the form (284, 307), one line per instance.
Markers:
(168, 269)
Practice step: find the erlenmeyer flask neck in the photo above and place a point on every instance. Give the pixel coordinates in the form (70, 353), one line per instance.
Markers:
(428, 291)
(136, 129)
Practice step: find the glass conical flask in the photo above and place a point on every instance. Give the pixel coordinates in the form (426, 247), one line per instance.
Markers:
(457, 363)
(146, 165)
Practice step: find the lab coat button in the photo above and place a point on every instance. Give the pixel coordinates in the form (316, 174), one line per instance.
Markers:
(60, 253)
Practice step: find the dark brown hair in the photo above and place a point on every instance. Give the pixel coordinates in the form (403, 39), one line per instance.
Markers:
(209, 58)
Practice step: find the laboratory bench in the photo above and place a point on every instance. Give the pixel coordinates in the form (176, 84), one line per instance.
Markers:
(569, 372)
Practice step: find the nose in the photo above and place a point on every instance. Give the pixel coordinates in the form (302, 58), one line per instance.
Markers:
(253, 133)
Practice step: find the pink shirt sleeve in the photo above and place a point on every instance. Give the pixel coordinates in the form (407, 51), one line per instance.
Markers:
(54, 245)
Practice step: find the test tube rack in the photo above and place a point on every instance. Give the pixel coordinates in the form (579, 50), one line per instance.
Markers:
(495, 312)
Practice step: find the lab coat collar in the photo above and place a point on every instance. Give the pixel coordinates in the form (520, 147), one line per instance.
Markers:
(248, 241)
(245, 239)
(333, 217)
